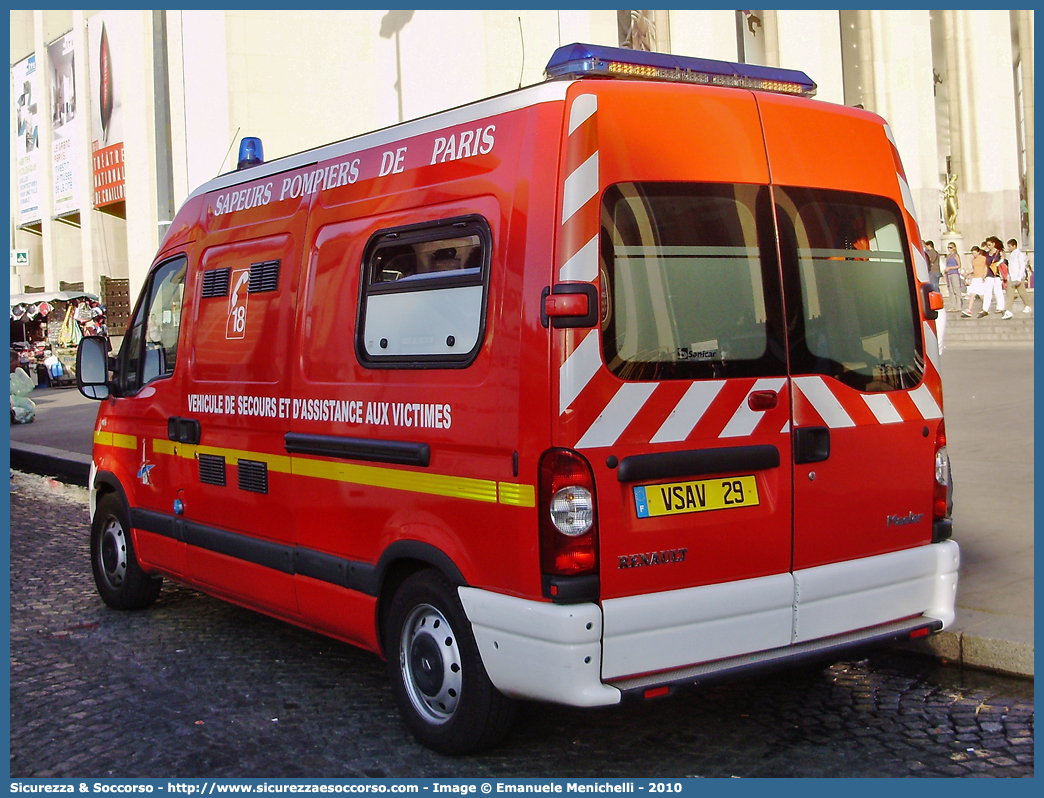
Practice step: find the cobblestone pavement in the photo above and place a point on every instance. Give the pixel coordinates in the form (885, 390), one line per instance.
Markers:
(194, 687)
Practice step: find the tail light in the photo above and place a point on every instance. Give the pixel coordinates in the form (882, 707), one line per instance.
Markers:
(568, 522)
(942, 499)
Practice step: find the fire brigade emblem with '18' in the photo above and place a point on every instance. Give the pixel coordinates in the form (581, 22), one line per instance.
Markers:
(237, 305)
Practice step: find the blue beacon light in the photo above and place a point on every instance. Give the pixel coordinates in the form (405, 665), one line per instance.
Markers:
(250, 152)
(590, 60)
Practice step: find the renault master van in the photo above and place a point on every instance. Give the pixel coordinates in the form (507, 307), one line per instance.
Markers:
(586, 392)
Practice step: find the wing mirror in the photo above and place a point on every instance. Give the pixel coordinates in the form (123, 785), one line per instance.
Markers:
(92, 367)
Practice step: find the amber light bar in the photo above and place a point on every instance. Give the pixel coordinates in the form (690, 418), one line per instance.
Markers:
(589, 60)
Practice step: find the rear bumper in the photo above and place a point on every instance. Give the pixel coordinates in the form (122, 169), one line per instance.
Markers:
(541, 651)
(663, 631)
(586, 655)
(749, 664)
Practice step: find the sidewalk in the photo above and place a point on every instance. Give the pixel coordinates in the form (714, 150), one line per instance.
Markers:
(989, 427)
(988, 395)
(59, 442)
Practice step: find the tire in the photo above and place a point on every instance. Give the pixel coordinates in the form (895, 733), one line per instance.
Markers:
(120, 581)
(444, 694)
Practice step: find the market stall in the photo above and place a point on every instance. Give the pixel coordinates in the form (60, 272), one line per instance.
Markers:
(46, 328)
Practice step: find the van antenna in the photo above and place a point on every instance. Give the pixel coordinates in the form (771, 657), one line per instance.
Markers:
(523, 38)
(230, 145)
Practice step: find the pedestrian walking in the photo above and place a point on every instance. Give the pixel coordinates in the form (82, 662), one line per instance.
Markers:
(952, 273)
(1017, 263)
(932, 255)
(993, 281)
(977, 287)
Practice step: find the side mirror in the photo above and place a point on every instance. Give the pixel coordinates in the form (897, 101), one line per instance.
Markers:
(92, 367)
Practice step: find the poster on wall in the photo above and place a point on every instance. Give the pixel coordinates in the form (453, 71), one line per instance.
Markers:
(106, 45)
(64, 141)
(27, 139)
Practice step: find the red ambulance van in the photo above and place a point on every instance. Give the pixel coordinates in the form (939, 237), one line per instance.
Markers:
(588, 391)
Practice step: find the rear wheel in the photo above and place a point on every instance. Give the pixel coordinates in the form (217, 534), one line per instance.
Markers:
(120, 581)
(444, 694)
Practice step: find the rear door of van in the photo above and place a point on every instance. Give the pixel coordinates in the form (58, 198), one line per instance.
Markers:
(679, 398)
(756, 402)
(866, 389)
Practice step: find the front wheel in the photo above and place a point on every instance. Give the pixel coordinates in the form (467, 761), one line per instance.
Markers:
(120, 581)
(444, 694)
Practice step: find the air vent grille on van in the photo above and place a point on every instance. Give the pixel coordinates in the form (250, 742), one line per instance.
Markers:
(264, 276)
(253, 476)
(215, 282)
(212, 469)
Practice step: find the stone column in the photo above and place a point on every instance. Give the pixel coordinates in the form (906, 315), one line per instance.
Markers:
(811, 41)
(903, 94)
(1024, 22)
(707, 34)
(989, 142)
(139, 151)
(84, 171)
(866, 58)
(953, 94)
(46, 184)
(773, 34)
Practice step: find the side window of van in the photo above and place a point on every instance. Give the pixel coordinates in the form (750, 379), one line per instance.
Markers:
(423, 295)
(150, 348)
(857, 320)
(689, 288)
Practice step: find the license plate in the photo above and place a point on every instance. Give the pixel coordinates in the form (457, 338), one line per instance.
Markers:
(676, 498)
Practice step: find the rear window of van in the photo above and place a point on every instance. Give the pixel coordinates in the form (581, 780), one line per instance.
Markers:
(691, 285)
(687, 290)
(845, 256)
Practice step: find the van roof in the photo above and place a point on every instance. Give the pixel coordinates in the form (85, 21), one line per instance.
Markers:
(568, 62)
(550, 91)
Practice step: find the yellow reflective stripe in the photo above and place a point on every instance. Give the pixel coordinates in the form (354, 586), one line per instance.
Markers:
(518, 495)
(162, 446)
(483, 490)
(115, 439)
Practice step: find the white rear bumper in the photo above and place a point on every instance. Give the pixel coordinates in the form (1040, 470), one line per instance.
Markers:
(537, 650)
(562, 653)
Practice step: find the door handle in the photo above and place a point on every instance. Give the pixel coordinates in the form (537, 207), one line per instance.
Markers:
(811, 444)
(184, 430)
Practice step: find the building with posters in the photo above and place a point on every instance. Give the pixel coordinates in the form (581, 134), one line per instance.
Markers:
(139, 108)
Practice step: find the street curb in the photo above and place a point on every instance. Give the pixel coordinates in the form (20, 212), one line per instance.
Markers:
(979, 653)
(980, 640)
(66, 466)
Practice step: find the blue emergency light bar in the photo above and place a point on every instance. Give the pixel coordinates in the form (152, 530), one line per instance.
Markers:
(592, 60)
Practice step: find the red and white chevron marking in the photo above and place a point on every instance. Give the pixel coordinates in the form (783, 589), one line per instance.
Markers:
(578, 242)
(578, 239)
(676, 411)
